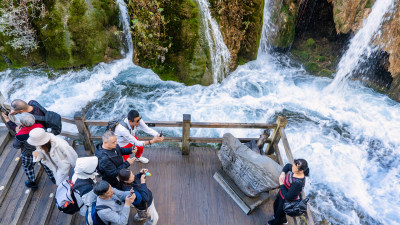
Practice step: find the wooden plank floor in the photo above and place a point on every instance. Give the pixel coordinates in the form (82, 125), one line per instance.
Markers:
(185, 191)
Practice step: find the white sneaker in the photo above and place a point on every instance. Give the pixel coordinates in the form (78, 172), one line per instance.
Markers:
(142, 160)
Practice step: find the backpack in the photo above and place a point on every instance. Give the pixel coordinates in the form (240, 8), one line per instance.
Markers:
(51, 119)
(112, 124)
(67, 199)
(91, 215)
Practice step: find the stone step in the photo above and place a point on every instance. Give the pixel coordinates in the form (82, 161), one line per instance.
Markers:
(10, 164)
(42, 203)
(59, 218)
(17, 199)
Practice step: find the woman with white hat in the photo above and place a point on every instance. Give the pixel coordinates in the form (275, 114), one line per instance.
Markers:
(54, 152)
(84, 178)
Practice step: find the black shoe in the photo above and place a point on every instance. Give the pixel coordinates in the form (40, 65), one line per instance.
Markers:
(270, 222)
(31, 185)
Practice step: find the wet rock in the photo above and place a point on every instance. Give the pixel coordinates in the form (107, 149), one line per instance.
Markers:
(252, 173)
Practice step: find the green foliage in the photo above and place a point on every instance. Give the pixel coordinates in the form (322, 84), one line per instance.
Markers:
(302, 55)
(325, 73)
(310, 43)
(312, 67)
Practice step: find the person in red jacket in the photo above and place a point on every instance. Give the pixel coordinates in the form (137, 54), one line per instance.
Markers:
(27, 124)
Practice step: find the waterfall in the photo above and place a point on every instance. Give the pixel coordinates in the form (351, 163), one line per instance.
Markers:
(360, 43)
(124, 18)
(264, 46)
(220, 55)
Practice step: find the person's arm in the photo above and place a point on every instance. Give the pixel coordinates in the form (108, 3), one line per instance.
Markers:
(287, 168)
(68, 152)
(123, 132)
(17, 143)
(293, 192)
(126, 151)
(37, 156)
(109, 168)
(147, 129)
(107, 215)
(121, 194)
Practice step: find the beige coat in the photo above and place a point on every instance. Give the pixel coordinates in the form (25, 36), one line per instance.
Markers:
(63, 156)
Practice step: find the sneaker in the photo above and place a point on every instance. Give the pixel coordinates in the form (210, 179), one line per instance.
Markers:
(137, 219)
(285, 221)
(31, 185)
(142, 160)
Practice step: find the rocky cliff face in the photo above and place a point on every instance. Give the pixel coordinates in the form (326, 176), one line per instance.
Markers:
(319, 47)
(68, 33)
(241, 25)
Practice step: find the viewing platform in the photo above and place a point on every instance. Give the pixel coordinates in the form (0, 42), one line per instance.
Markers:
(182, 182)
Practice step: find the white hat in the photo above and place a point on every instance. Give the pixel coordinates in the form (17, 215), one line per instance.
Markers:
(38, 137)
(85, 167)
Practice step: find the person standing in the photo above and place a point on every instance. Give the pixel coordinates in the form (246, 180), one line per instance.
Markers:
(112, 205)
(146, 209)
(292, 181)
(126, 135)
(22, 134)
(54, 152)
(110, 158)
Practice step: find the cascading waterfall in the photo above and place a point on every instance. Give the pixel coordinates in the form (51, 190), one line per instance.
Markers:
(124, 18)
(360, 43)
(219, 53)
(350, 140)
(267, 28)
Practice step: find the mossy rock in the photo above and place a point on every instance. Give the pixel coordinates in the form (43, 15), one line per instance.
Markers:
(302, 55)
(325, 73)
(312, 67)
(284, 19)
(310, 43)
(3, 63)
(166, 39)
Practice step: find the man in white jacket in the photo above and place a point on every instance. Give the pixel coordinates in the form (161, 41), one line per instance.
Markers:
(126, 134)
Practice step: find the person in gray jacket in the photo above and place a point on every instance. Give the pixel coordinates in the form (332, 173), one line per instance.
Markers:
(114, 204)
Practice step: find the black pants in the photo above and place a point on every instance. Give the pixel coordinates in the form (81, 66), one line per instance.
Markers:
(279, 214)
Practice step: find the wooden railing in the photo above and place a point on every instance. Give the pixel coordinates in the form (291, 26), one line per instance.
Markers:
(186, 124)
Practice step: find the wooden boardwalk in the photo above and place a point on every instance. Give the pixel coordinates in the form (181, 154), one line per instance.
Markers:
(184, 190)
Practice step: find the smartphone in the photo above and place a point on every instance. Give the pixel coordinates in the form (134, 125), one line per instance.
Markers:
(161, 134)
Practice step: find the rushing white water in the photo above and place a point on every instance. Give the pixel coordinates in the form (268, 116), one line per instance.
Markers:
(360, 44)
(219, 53)
(350, 138)
(267, 28)
(124, 18)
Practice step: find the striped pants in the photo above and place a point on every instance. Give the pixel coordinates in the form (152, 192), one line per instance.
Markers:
(28, 165)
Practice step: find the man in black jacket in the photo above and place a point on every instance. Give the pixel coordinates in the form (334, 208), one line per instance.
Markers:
(110, 158)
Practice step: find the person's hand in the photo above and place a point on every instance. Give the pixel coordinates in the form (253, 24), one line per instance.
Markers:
(144, 170)
(17, 129)
(282, 175)
(130, 200)
(6, 118)
(35, 154)
(134, 150)
(143, 178)
(130, 161)
(157, 139)
(281, 180)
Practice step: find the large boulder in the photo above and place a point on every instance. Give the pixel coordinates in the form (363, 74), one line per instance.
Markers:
(252, 173)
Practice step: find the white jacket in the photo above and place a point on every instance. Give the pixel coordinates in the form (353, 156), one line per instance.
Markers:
(63, 156)
(126, 136)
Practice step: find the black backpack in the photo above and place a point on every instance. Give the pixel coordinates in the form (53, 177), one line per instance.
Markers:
(51, 119)
(112, 124)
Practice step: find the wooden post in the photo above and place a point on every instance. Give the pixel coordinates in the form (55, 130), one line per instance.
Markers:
(186, 134)
(84, 132)
(280, 123)
(2, 101)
